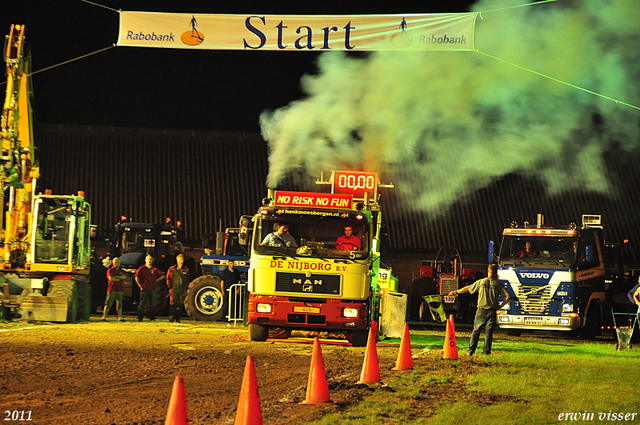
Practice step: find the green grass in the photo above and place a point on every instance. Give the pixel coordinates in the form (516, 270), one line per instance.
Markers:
(523, 382)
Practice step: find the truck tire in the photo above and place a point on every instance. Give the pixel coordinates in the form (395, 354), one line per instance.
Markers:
(66, 289)
(204, 299)
(592, 324)
(359, 338)
(258, 332)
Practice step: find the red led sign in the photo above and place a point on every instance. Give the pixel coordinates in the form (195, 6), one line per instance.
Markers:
(313, 200)
(356, 183)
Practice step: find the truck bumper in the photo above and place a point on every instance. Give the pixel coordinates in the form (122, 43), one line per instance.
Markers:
(332, 315)
(551, 323)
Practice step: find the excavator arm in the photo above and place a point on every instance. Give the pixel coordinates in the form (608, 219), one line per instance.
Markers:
(19, 172)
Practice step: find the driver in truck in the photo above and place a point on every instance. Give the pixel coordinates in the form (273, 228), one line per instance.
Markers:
(279, 237)
(349, 241)
(527, 251)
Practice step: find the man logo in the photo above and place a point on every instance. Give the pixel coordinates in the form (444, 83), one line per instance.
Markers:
(193, 37)
(307, 288)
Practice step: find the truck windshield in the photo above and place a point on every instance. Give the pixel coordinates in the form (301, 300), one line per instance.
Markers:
(313, 236)
(53, 217)
(529, 250)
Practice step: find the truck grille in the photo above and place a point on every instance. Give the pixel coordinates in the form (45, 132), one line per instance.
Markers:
(315, 284)
(448, 284)
(533, 299)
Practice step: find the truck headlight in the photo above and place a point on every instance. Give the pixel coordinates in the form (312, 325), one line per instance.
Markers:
(263, 308)
(567, 308)
(350, 312)
(504, 319)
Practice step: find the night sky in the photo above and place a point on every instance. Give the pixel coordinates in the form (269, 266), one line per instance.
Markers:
(167, 88)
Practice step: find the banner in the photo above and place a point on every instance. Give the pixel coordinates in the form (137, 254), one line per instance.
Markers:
(441, 31)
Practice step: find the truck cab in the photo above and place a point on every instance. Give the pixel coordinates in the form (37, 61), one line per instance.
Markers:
(556, 276)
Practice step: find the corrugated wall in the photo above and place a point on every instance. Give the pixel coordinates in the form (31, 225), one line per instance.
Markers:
(199, 177)
(148, 175)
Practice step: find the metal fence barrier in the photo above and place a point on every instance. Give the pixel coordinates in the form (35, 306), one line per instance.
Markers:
(237, 294)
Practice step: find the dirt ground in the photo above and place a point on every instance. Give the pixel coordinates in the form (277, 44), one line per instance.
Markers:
(123, 373)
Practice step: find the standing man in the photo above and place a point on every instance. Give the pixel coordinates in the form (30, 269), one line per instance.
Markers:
(349, 241)
(115, 289)
(230, 276)
(146, 278)
(488, 289)
(177, 282)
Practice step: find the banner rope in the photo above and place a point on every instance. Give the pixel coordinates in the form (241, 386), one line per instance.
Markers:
(520, 5)
(65, 62)
(100, 5)
(559, 81)
(72, 60)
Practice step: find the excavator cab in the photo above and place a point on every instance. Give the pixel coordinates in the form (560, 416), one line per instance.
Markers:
(62, 232)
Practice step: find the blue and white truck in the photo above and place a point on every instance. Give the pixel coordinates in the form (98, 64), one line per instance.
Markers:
(561, 278)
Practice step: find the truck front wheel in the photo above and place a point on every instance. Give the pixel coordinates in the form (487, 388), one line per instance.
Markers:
(204, 299)
(359, 338)
(258, 332)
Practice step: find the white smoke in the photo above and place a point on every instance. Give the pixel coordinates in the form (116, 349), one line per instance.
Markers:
(441, 124)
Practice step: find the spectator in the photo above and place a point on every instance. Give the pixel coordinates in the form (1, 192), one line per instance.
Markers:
(177, 282)
(349, 241)
(115, 290)
(230, 276)
(488, 289)
(279, 237)
(146, 278)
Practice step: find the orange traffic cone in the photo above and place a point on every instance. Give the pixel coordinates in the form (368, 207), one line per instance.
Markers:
(450, 347)
(404, 362)
(249, 404)
(177, 413)
(371, 368)
(317, 387)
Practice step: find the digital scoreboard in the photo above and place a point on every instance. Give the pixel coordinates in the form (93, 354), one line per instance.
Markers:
(360, 184)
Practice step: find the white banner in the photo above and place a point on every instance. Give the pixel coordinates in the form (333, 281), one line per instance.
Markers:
(442, 31)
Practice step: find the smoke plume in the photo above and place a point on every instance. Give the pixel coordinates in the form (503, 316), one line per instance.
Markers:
(442, 124)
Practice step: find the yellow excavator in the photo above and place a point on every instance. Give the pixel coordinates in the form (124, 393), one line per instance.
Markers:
(45, 244)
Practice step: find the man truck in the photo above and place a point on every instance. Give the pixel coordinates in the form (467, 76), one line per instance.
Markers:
(300, 280)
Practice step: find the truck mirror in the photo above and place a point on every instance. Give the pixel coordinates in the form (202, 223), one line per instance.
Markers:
(492, 254)
(590, 254)
(243, 236)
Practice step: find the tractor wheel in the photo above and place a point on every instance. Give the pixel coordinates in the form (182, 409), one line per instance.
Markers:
(359, 338)
(204, 299)
(258, 332)
(161, 299)
(84, 300)
(424, 314)
(66, 289)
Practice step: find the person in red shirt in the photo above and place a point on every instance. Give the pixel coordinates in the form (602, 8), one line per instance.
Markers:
(527, 251)
(146, 278)
(349, 241)
(177, 282)
(115, 290)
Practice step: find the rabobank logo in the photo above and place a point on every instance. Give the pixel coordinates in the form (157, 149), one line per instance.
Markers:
(193, 37)
(402, 38)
